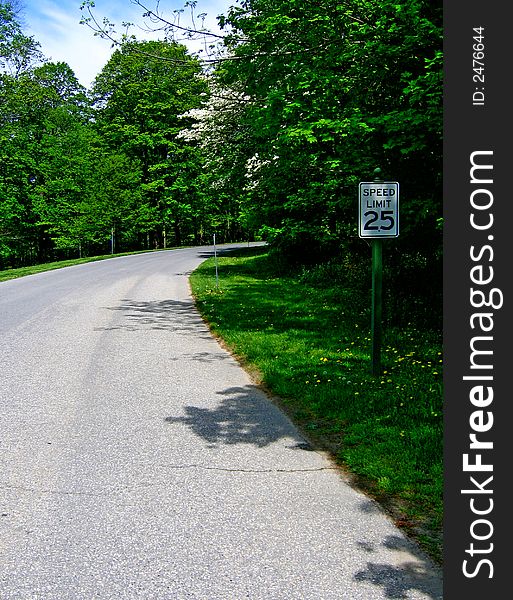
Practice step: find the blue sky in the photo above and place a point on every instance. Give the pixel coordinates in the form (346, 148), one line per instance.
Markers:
(55, 24)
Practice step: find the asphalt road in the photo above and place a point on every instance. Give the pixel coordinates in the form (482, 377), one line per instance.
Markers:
(138, 460)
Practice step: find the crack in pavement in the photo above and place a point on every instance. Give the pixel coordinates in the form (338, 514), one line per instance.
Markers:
(20, 488)
(228, 470)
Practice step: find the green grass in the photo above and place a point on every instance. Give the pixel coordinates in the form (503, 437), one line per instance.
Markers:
(306, 338)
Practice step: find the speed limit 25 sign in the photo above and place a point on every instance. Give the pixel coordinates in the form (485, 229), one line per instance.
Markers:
(378, 209)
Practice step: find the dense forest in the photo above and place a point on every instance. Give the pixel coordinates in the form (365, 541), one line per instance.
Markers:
(269, 137)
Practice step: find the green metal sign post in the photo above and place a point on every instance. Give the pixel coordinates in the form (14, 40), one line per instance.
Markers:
(377, 305)
(378, 219)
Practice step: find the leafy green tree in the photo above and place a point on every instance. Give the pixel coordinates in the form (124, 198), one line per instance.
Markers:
(112, 206)
(17, 172)
(64, 137)
(140, 95)
(46, 137)
(18, 52)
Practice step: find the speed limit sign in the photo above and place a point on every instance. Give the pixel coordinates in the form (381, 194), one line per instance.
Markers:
(378, 209)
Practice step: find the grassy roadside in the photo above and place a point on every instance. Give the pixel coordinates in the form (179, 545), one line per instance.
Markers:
(32, 270)
(307, 341)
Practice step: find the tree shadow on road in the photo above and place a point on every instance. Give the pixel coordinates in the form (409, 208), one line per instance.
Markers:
(243, 416)
(408, 574)
(178, 316)
(202, 357)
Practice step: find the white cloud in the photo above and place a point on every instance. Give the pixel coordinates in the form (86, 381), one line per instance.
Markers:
(55, 24)
(62, 38)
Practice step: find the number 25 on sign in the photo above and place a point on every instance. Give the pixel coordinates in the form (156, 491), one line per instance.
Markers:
(378, 209)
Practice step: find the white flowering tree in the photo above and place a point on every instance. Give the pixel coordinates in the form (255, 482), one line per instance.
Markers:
(219, 128)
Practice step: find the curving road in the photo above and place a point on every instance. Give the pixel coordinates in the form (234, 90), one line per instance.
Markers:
(138, 461)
